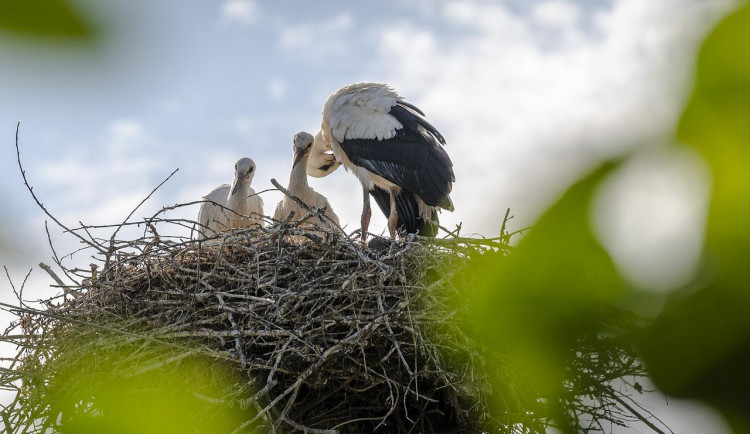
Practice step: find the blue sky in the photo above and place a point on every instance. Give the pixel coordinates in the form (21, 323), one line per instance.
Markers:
(529, 94)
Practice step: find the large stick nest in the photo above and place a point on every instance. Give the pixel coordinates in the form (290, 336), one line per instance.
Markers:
(330, 336)
(326, 336)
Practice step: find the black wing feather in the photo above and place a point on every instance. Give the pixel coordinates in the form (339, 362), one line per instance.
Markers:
(405, 116)
(407, 209)
(413, 159)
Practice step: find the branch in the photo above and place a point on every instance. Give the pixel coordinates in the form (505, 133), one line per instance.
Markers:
(31, 190)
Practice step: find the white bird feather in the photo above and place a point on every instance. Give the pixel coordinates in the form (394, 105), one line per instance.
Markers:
(213, 219)
(242, 207)
(299, 187)
(246, 205)
(398, 156)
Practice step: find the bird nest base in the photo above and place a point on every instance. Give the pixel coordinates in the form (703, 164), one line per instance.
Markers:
(277, 329)
(320, 334)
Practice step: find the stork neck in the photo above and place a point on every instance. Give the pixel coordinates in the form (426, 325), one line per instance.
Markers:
(298, 177)
(237, 200)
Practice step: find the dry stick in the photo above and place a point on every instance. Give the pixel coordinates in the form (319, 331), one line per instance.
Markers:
(283, 416)
(505, 220)
(31, 190)
(111, 248)
(86, 230)
(354, 337)
(158, 365)
(52, 274)
(13, 286)
(635, 413)
(57, 260)
(141, 203)
(11, 308)
(270, 382)
(236, 330)
(323, 358)
(307, 429)
(394, 403)
(392, 335)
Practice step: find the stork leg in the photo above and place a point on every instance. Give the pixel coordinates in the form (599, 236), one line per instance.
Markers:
(393, 216)
(366, 214)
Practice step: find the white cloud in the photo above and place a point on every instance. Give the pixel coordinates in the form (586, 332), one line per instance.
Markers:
(125, 129)
(100, 187)
(243, 12)
(556, 13)
(523, 120)
(318, 38)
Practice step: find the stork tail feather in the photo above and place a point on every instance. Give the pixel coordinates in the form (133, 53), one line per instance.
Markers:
(409, 217)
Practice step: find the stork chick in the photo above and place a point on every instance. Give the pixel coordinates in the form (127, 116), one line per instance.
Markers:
(246, 205)
(299, 187)
(231, 206)
(212, 217)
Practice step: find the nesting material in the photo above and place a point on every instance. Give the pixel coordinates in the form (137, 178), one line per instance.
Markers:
(320, 335)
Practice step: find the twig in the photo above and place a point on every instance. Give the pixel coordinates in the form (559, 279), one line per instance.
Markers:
(52, 274)
(33, 195)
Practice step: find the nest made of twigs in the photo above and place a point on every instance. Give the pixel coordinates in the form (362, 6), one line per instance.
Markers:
(312, 319)
(317, 333)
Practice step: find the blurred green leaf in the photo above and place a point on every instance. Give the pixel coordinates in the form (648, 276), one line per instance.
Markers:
(557, 286)
(700, 346)
(111, 387)
(43, 17)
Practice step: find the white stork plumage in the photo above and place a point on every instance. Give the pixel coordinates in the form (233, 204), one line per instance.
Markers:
(235, 206)
(213, 218)
(397, 155)
(246, 205)
(299, 187)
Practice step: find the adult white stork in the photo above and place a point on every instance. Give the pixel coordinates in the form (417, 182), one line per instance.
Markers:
(235, 206)
(246, 205)
(397, 155)
(299, 187)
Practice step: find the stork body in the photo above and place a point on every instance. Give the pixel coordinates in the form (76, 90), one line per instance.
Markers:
(213, 218)
(299, 187)
(232, 206)
(246, 205)
(395, 153)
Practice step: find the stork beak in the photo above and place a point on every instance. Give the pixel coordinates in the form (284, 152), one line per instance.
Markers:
(298, 153)
(238, 182)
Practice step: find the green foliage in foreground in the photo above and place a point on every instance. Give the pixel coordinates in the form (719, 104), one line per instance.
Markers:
(556, 292)
(119, 385)
(43, 18)
(700, 346)
(559, 284)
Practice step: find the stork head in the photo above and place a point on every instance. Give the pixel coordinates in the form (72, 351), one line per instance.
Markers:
(244, 170)
(302, 143)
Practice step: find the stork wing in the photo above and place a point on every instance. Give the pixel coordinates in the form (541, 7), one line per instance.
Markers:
(412, 158)
(363, 113)
(219, 194)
